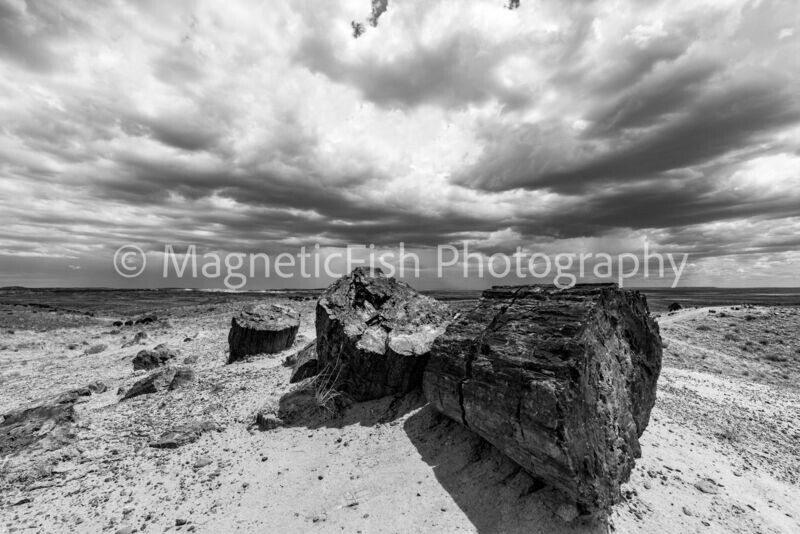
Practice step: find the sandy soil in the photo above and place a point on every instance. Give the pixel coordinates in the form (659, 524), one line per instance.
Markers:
(720, 455)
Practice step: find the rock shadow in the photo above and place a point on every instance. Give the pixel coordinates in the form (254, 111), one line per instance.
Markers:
(495, 493)
(302, 406)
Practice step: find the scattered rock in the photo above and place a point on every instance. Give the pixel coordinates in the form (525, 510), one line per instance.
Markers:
(95, 349)
(674, 307)
(93, 387)
(183, 434)
(262, 329)
(305, 365)
(706, 486)
(190, 360)
(266, 420)
(51, 417)
(151, 359)
(161, 380)
(147, 319)
(202, 461)
(374, 334)
(117, 323)
(137, 339)
(561, 381)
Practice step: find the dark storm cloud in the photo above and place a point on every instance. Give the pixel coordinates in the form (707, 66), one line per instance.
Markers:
(716, 124)
(669, 204)
(185, 135)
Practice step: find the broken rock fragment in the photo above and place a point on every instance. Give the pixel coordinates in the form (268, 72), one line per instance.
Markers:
(305, 363)
(166, 378)
(151, 359)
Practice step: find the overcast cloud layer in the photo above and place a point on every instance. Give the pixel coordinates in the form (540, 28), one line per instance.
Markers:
(243, 126)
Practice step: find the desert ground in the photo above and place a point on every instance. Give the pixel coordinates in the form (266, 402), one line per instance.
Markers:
(721, 452)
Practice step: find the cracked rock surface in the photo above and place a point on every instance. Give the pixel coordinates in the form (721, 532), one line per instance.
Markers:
(374, 334)
(561, 381)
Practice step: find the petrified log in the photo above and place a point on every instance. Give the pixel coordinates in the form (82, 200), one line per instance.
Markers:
(262, 329)
(561, 381)
(374, 334)
(51, 417)
(305, 364)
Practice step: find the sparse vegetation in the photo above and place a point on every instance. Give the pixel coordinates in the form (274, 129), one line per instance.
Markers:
(324, 384)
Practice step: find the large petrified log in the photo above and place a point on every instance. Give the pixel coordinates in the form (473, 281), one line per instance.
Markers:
(262, 329)
(561, 381)
(374, 334)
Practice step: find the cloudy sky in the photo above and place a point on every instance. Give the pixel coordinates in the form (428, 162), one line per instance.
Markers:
(264, 126)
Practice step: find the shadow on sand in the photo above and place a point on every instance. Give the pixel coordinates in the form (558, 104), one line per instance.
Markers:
(495, 493)
(301, 407)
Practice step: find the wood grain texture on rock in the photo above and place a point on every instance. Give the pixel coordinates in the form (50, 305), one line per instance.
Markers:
(306, 364)
(374, 334)
(561, 381)
(262, 329)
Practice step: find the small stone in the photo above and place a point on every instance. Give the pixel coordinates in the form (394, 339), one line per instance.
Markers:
(151, 359)
(567, 512)
(267, 421)
(179, 522)
(125, 529)
(706, 486)
(202, 461)
(95, 349)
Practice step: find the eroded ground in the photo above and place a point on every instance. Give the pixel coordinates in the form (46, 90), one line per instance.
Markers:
(720, 454)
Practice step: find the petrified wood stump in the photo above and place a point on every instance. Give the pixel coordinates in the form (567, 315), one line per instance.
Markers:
(262, 329)
(374, 334)
(561, 381)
